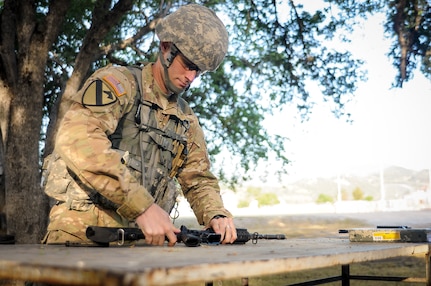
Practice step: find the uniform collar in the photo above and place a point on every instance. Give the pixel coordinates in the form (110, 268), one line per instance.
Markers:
(154, 94)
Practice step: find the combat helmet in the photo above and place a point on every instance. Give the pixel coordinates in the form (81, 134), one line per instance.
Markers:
(198, 34)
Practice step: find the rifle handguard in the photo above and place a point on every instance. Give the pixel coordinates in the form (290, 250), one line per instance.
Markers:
(244, 236)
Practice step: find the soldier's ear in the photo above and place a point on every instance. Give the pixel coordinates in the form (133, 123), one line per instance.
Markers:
(169, 51)
(165, 47)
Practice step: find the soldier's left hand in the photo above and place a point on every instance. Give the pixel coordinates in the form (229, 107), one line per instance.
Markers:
(225, 227)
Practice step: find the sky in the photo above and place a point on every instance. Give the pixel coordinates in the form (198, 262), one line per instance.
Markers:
(390, 126)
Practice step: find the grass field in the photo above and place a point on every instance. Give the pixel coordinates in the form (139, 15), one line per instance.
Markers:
(303, 226)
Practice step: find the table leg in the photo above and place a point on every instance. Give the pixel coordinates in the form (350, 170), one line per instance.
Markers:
(345, 275)
(428, 268)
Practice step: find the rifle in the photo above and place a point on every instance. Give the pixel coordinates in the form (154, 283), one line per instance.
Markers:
(104, 235)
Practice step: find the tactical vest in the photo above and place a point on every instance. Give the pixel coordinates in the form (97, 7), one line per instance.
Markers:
(154, 154)
(153, 148)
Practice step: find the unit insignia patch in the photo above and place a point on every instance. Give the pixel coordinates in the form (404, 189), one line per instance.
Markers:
(98, 93)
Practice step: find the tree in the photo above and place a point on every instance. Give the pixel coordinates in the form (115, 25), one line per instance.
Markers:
(48, 48)
(409, 21)
(358, 194)
(324, 198)
(27, 35)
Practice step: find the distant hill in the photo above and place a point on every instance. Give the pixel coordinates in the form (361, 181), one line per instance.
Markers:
(398, 182)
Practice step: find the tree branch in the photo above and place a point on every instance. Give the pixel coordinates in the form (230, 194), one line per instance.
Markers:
(300, 24)
(399, 29)
(129, 41)
(54, 18)
(141, 32)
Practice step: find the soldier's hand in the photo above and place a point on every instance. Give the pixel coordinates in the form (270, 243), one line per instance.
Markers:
(157, 226)
(225, 227)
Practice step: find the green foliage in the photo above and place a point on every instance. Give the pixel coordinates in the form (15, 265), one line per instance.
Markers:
(262, 198)
(358, 194)
(369, 198)
(409, 24)
(267, 199)
(254, 191)
(243, 204)
(275, 52)
(323, 198)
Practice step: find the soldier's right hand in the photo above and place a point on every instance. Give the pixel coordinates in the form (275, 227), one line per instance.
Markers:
(157, 226)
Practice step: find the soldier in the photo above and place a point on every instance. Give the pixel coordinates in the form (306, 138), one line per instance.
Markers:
(129, 142)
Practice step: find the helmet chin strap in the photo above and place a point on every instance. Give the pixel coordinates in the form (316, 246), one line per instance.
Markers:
(168, 83)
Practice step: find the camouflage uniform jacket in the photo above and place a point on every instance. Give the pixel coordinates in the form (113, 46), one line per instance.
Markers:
(83, 144)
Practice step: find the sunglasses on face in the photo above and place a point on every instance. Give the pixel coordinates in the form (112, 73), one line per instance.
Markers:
(188, 64)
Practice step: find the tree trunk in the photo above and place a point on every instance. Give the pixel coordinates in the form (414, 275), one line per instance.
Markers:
(4, 122)
(2, 189)
(24, 46)
(5, 97)
(26, 206)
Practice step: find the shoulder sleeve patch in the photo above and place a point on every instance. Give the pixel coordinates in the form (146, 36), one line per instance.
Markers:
(98, 93)
(115, 84)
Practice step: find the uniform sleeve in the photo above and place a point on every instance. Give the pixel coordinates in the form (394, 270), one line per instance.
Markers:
(199, 185)
(83, 143)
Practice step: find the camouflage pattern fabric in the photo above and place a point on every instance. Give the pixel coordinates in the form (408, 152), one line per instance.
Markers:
(198, 33)
(84, 147)
(70, 225)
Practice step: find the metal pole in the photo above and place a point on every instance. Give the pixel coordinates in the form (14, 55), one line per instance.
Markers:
(345, 275)
(428, 266)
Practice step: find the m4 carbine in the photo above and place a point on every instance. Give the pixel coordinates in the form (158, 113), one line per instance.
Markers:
(104, 235)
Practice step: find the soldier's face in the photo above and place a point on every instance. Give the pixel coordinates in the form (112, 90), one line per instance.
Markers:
(182, 72)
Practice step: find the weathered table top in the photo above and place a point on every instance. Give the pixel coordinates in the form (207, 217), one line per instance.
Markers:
(148, 265)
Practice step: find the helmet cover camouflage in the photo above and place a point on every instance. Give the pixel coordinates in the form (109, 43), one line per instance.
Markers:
(198, 33)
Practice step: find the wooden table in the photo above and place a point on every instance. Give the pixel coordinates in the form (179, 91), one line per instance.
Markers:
(179, 265)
